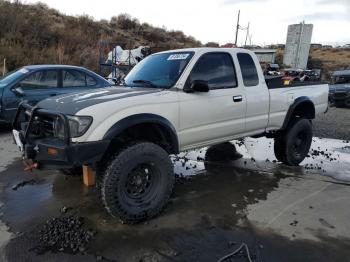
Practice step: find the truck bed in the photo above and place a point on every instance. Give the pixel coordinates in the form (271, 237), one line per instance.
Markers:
(282, 97)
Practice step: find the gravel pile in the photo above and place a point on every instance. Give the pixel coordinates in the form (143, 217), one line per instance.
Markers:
(64, 234)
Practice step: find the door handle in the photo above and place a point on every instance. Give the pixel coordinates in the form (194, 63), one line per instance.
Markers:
(237, 98)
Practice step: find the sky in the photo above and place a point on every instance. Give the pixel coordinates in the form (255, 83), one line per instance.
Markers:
(215, 20)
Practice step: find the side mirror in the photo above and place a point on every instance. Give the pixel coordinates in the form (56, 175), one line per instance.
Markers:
(198, 86)
(18, 91)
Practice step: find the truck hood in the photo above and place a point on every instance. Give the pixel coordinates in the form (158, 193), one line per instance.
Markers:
(70, 104)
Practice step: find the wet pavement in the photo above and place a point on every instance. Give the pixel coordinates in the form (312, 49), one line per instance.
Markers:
(281, 213)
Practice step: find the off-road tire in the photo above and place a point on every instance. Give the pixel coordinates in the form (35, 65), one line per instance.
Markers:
(219, 154)
(123, 202)
(222, 152)
(292, 146)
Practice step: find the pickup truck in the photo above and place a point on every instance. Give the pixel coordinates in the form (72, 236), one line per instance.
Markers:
(171, 101)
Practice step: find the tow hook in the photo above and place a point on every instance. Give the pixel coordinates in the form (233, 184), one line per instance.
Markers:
(30, 167)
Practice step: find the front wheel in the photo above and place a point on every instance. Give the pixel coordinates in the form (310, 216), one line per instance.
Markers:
(292, 146)
(138, 182)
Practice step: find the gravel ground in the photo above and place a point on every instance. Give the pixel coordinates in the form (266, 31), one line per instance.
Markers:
(334, 124)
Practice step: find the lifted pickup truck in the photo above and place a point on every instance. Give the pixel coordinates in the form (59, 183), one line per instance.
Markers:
(172, 101)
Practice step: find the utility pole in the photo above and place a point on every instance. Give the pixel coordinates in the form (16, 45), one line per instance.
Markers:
(246, 36)
(237, 27)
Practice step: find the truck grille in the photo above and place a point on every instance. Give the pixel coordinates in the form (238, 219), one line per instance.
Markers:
(48, 127)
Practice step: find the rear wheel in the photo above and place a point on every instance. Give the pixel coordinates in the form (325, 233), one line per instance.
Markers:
(138, 182)
(292, 146)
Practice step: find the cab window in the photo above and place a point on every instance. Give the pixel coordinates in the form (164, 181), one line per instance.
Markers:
(215, 68)
(248, 69)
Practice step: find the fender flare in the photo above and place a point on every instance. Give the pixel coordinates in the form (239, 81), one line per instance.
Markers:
(133, 120)
(292, 107)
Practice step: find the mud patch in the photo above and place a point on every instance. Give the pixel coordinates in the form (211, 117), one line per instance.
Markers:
(64, 234)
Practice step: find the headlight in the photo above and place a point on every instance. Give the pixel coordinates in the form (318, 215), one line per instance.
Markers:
(78, 125)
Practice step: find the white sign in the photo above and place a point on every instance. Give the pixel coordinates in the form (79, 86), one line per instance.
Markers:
(178, 56)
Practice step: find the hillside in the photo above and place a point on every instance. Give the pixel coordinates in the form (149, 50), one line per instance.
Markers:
(37, 34)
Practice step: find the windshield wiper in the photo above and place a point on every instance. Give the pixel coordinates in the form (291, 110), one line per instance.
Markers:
(147, 82)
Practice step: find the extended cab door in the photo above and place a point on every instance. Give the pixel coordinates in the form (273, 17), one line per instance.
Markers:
(207, 117)
(256, 91)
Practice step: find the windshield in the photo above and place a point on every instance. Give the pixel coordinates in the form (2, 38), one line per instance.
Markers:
(10, 77)
(158, 70)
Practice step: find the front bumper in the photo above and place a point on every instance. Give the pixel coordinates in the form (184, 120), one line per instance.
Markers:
(47, 151)
(55, 154)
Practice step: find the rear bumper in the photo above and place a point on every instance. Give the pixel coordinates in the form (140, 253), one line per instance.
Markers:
(55, 154)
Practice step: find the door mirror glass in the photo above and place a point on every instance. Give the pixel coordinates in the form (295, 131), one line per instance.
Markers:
(18, 91)
(198, 86)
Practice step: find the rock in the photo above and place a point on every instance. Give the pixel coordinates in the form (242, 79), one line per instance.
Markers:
(64, 234)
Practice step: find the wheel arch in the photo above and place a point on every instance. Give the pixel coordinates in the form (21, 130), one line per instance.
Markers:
(149, 127)
(302, 107)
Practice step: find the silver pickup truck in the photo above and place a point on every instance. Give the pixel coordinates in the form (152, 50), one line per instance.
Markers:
(170, 102)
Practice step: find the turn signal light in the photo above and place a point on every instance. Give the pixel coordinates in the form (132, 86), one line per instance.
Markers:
(52, 151)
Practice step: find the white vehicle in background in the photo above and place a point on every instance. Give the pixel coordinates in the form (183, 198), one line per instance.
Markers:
(125, 60)
(172, 101)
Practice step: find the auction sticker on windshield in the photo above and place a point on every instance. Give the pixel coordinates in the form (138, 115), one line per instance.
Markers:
(178, 56)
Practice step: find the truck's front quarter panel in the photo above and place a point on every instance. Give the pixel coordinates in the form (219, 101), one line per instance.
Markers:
(105, 115)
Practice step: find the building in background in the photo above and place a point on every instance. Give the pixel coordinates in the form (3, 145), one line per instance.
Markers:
(297, 48)
(265, 55)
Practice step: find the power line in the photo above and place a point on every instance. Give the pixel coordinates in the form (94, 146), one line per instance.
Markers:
(239, 27)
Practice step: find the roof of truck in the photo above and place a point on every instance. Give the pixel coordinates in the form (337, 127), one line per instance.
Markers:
(208, 49)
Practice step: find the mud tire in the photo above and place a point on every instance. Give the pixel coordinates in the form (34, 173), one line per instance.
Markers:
(121, 195)
(292, 146)
(222, 152)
